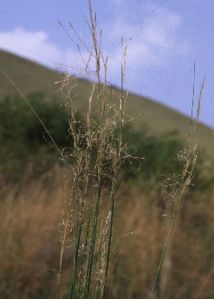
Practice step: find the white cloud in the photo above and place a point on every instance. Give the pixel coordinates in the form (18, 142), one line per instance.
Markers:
(35, 46)
(153, 42)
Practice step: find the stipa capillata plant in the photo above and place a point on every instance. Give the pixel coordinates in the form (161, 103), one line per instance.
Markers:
(177, 186)
(94, 161)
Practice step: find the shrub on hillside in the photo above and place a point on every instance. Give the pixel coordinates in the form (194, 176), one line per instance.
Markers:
(23, 138)
(24, 142)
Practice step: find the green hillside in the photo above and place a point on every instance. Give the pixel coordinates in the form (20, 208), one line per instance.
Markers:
(31, 77)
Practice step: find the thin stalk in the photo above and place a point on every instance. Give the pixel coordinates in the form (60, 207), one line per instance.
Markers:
(162, 258)
(61, 260)
(92, 241)
(109, 242)
(73, 282)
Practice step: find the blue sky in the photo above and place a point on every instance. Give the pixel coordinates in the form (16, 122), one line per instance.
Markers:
(164, 39)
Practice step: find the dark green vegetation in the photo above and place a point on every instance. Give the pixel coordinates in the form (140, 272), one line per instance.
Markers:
(158, 119)
(24, 141)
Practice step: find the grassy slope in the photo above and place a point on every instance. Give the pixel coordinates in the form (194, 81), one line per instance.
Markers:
(28, 76)
(31, 77)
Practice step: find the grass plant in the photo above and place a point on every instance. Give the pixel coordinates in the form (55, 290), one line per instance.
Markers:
(95, 161)
(178, 185)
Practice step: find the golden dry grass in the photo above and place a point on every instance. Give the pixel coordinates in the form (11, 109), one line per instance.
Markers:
(29, 244)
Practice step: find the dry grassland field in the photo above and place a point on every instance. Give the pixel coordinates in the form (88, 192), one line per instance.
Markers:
(104, 193)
